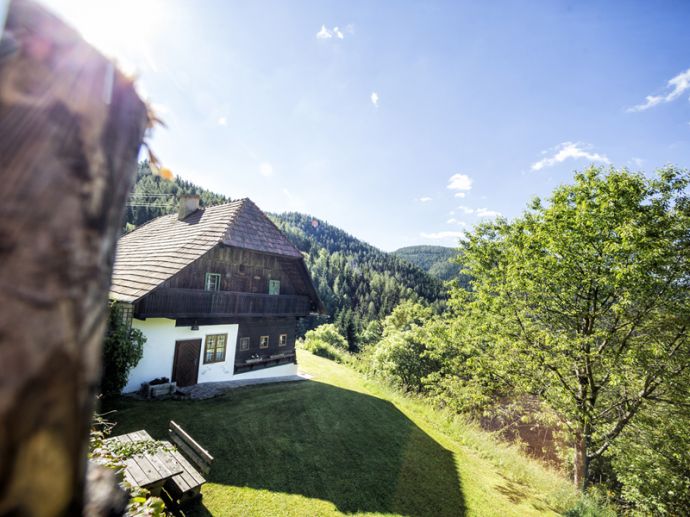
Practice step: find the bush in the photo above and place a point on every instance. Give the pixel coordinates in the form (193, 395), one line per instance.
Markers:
(328, 334)
(651, 461)
(326, 341)
(324, 350)
(123, 348)
(400, 359)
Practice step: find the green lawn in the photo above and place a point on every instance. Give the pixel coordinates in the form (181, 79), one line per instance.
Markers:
(340, 444)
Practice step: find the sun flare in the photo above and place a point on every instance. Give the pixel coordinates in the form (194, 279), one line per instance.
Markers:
(124, 30)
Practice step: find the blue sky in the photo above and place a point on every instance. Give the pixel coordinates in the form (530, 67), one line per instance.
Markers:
(365, 113)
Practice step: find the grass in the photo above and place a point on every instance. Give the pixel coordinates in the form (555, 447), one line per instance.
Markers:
(342, 444)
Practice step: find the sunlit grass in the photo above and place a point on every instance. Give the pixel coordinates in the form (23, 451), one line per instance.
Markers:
(343, 444)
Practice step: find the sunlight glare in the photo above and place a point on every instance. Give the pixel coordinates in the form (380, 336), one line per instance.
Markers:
(124, 30)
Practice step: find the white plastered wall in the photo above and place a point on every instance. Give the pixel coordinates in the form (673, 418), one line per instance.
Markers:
(159, 352)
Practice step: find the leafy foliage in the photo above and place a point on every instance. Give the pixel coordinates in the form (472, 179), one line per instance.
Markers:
(114, 455)
(652, 462)
(123, 348)
(585, 302)
(326, 341)
(400, 357)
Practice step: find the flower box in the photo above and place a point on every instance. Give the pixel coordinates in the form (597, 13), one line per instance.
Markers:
(152, 391)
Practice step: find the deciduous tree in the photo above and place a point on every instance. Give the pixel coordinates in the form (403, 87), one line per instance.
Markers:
(584, 300)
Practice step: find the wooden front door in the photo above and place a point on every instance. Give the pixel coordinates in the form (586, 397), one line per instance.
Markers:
(186, 364)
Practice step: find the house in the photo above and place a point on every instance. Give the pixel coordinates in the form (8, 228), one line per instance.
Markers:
(216, 291)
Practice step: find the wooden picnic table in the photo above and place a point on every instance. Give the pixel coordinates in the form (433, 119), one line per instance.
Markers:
(149, 470)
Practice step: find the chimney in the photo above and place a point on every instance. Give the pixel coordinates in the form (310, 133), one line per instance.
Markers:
(189, 203)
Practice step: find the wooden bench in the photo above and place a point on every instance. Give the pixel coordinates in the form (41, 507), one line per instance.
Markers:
(194, 460)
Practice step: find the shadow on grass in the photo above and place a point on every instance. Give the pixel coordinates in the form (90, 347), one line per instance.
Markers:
(316, 440)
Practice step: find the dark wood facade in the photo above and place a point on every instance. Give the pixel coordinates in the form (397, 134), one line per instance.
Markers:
(244, 277)
(275, 353)
(243, 271)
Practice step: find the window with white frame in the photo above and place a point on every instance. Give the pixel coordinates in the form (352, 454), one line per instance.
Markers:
(214, 351)
(245, 342)
(282, 340)
(263, 342)
(212, 282)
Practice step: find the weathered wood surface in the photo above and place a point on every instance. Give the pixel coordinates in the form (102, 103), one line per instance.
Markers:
(193, 458)
(148, 470)
(70, 130)
(272, 328)
(168, 302)
(201, 458)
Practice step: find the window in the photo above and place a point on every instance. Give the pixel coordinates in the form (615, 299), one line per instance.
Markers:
(215, 348)
(274, 287)
(263, 342)
(282, 340)
(124, 314)
(244, 344)
(212, 282)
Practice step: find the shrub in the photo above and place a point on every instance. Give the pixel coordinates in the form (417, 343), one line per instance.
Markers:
(324, 350)
(400, 359)
(123, 348)
(326, 341)
(328, 334)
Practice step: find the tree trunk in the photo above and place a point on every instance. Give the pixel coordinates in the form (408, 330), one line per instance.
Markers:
(70, 130)
(581, 463)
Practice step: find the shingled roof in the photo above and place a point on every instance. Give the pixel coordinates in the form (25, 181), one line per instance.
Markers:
(162, 247)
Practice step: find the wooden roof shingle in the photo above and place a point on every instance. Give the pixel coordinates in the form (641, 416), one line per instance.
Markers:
(164, 246)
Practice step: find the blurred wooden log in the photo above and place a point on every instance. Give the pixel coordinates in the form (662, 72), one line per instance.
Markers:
(70, 130)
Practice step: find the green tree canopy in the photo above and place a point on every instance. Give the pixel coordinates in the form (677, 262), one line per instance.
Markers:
(584, 300)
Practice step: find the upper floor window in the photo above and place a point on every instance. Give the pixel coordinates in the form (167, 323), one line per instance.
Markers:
(263, 342)
(214, 351)
(124, 314)
(282, 340)
(274, 287)
(244, 344)
(212, 282)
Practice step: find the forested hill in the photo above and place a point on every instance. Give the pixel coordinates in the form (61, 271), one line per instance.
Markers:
(438, 261)
(153, 196)
(357, 282)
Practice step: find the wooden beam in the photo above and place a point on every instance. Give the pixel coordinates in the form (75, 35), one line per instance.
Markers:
(71, 129)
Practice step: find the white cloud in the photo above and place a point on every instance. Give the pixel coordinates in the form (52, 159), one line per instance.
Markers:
(466, 209)
(636, 162)
(335, 32)
(453, 220)
(443, 235)
(324, 33)
(485, 212)
(222, 121)
(424, 199)
(461, 183)
(375, 99)
(266, 169)
(677, 85)
(568, 150)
